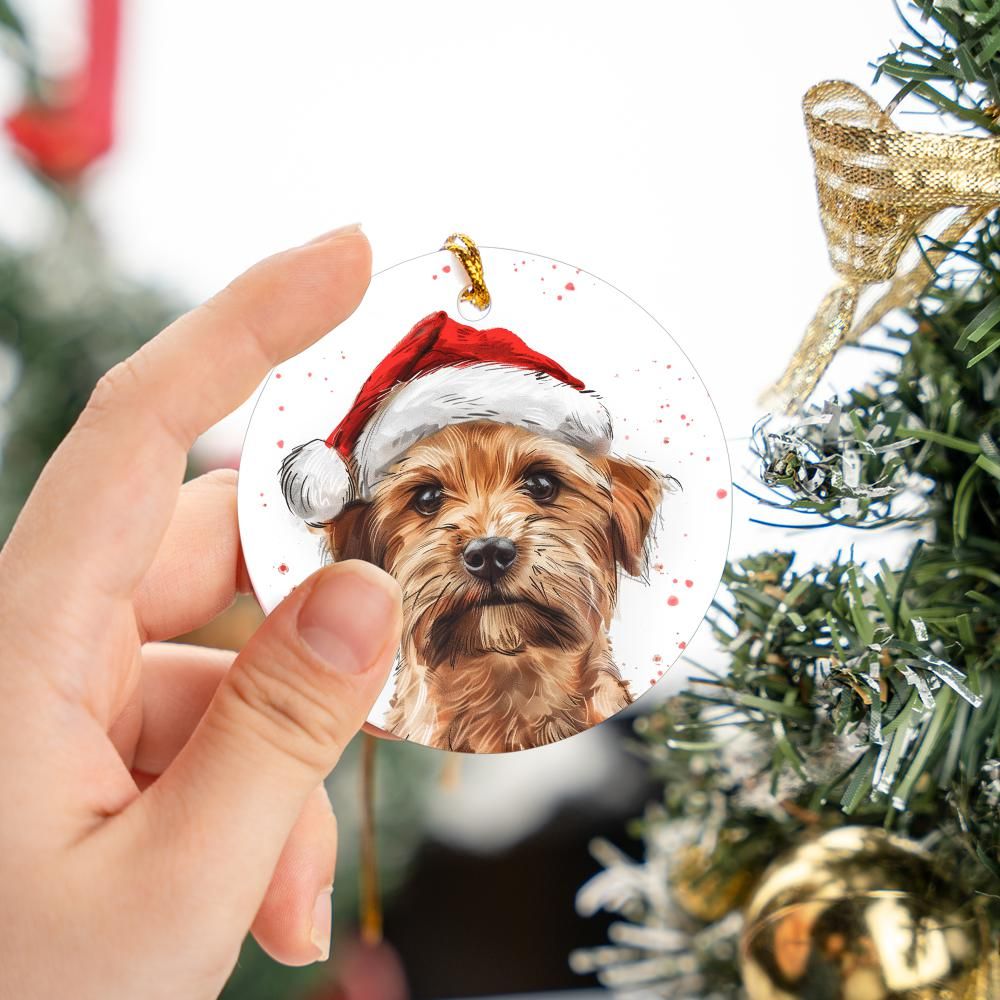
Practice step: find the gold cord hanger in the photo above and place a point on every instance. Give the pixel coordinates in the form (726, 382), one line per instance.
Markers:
(371, 902)
(467, 252)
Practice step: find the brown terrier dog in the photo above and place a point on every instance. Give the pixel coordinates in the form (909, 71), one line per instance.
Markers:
(507, 546)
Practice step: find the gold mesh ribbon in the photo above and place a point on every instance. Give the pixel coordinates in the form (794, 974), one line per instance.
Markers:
(878, 187)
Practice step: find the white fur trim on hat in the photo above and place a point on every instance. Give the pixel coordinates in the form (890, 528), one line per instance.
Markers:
(503, 394)
(315, 481)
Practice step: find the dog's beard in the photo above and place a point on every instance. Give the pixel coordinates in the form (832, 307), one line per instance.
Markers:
(495, 623)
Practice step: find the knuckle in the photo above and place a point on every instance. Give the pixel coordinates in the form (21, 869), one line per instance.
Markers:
(224, 479)
(290, 713)
(125, 389)
(115, 385)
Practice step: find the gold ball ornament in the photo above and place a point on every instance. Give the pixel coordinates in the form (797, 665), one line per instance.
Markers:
(859, 914)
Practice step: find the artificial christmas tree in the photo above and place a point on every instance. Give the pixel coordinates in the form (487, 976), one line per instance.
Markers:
(855, 696)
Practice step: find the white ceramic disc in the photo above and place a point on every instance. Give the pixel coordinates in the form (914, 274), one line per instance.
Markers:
(511, 504)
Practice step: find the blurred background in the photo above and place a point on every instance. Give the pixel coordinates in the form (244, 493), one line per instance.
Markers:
(152, 151)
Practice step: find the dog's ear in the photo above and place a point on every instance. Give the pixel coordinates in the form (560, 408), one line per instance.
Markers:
(636, 492)
(349, 534)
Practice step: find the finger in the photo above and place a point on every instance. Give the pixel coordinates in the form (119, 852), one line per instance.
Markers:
(178, 683)
(294, 922)
(198, 568)
(277, 725)
(100, 507)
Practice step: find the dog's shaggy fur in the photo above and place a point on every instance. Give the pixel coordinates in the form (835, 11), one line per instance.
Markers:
(524, 660)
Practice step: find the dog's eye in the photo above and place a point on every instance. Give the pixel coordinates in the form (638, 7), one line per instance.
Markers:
(428, 499)
(541, 487)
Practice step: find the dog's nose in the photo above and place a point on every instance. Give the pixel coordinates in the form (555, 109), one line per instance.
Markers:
(489, 558)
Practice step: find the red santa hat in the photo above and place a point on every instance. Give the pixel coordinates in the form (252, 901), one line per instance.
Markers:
(441, 373)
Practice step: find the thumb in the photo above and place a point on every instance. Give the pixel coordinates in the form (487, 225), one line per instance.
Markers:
(277, 725)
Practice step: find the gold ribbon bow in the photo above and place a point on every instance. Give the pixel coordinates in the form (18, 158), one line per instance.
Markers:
(878, 186)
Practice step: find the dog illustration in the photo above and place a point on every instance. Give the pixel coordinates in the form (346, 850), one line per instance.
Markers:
(478, 473)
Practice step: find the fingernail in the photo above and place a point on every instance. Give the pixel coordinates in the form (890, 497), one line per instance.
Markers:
(354, 227)
(345, 617)
(322, 923)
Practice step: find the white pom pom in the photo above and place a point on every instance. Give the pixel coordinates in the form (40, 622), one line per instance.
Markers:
(315, 481)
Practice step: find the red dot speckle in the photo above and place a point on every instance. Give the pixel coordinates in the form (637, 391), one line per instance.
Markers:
(657, 658)
(434, 277)
(281, 443)
(282, 408)
(309, 374)
(673, 601)
(446, 268)
(666, 440)
(683, 416)
(570, 287)
(282, 569)
(559, 298)
(682, 645)
(277, 374)
(722, 494)
(689, 583)
(553, 267)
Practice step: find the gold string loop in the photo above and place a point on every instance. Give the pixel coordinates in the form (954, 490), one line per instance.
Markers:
(467, 253)
(369, 895)
(878, 187)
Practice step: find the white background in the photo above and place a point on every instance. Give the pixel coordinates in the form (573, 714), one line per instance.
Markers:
(658, 145)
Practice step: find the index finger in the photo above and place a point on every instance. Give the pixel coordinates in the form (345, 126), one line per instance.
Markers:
(103, 502)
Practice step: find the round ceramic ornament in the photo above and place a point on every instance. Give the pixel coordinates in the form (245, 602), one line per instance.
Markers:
(545, 477)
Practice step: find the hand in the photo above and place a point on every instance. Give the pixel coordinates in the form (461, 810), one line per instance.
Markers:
(159, 800)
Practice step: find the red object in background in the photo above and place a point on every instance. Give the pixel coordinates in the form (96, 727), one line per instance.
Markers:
(63, 137)
(367, 972)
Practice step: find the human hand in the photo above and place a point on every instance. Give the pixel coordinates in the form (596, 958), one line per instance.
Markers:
(159, 800)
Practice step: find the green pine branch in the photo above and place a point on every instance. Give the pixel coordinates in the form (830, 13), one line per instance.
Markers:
(951, 60)
(859, 694)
